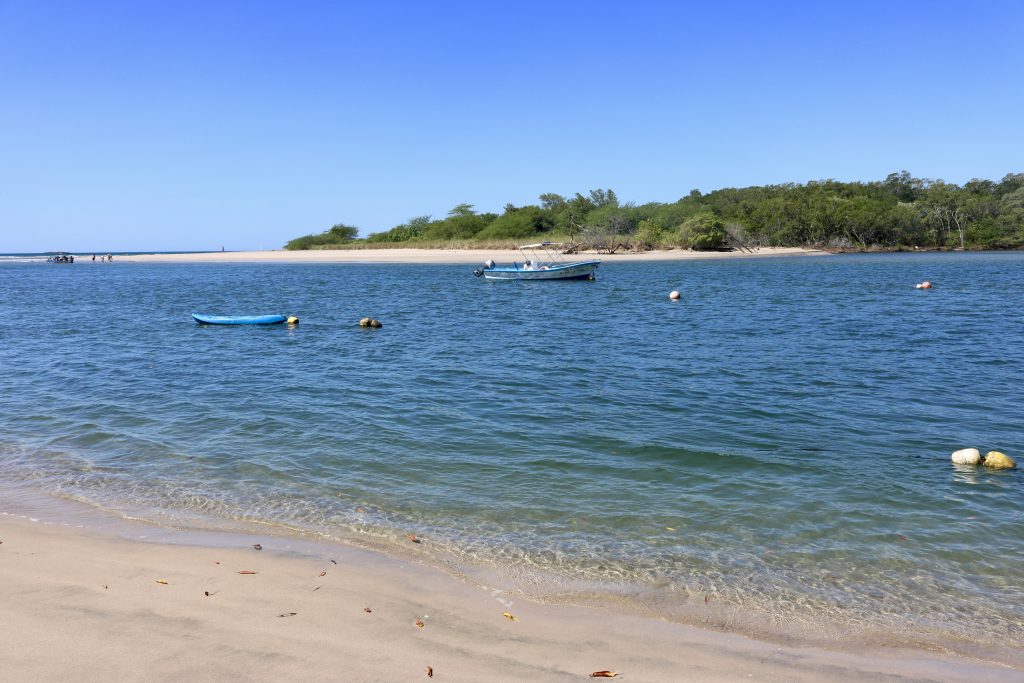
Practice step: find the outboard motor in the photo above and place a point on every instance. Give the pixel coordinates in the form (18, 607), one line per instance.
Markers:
(488, 264)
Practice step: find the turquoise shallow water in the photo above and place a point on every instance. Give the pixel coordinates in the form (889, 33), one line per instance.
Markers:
(770, 454)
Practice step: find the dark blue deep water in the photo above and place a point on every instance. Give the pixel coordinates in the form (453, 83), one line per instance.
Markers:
(771, 454)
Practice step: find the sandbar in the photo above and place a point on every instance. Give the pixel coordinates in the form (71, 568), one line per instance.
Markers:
(443, 256)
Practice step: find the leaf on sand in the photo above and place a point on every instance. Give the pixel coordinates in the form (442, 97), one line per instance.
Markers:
(367, 610)
(419, 624)
(430, 672)
(323, 573)
(509, 616)
(288, 614)
(246, 571)
(317, 588)
(412, 537)
(334, 562)
(163, 582)
(257, 546)
(604, 674)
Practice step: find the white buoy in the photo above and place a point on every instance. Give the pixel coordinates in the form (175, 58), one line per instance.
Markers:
(674, 295)
(967, 456)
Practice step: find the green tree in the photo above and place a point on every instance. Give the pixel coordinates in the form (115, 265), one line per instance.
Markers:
(703, 232)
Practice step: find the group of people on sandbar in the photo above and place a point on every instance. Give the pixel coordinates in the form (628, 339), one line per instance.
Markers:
(108, 257)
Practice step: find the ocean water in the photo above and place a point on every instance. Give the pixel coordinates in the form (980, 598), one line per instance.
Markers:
(769, 455)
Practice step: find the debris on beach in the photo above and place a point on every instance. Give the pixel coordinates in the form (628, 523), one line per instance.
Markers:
(287, 614)
(334, 562)
(257, 546)
(317, 588)
(246, 571)
(323, 573)
(419, 623)
(509, 616)
(163, 582)
(604, 674)
(367, 610)
(412, 537)
(430, 672)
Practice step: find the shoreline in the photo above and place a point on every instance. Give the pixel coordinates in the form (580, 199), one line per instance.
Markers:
(443, 256)
(70, 584)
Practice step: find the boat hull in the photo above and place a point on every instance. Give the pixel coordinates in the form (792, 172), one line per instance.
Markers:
(238, 319)
(583, 270)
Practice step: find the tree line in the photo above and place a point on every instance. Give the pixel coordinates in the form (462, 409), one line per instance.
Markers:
(900, 212)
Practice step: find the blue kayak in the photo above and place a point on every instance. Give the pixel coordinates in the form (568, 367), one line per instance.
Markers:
(238, 319)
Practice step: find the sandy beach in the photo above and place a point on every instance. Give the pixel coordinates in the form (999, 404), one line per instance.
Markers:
(150, 604)
(441, 256)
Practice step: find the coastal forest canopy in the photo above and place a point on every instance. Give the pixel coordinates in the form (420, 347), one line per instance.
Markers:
(900, 212)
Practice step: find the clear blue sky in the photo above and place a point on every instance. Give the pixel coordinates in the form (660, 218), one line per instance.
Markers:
(191, 125)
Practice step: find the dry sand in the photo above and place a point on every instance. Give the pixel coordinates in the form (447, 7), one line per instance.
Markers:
(77, 605)
(440, 256)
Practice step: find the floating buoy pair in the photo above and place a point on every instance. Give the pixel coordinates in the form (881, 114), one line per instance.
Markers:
(370, 322)
(992, 459)
(923, 285)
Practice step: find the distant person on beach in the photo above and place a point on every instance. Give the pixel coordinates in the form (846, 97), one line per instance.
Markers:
(94, 257)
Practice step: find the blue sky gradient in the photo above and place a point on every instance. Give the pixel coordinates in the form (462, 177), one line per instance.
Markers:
(191, 125)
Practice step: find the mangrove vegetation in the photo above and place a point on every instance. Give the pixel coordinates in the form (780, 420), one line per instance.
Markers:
(900, 212)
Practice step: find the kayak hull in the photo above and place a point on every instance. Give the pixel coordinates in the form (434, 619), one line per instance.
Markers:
(238, 319)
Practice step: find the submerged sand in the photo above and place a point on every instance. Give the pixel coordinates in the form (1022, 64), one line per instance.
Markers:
(80, 605)
(443, 256)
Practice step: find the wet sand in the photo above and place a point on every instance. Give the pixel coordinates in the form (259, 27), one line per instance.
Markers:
(80, 605)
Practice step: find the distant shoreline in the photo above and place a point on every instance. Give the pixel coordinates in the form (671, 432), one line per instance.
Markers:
(444, 256)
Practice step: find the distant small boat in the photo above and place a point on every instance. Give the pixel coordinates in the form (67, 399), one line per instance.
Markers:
(61, 257)
(239, 319)
(542, 261)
